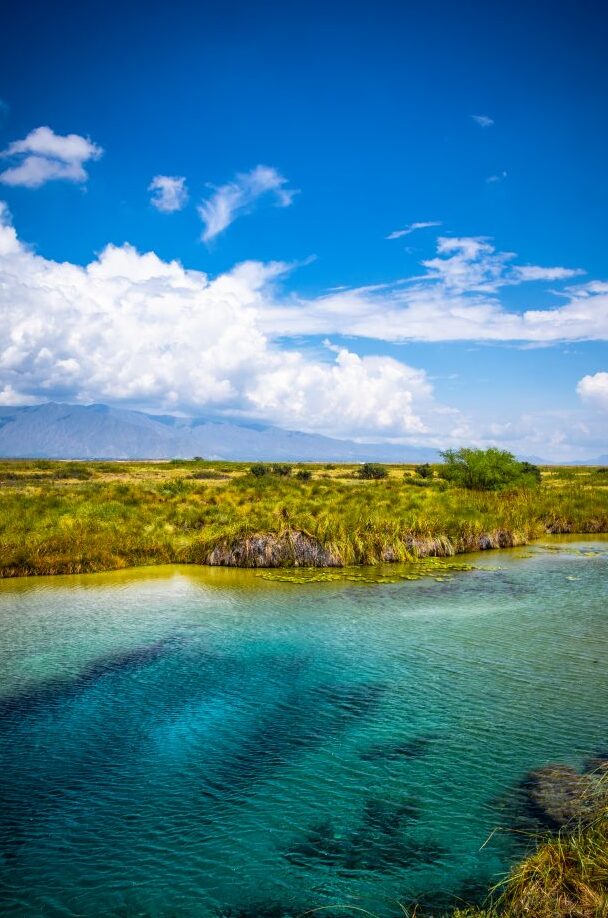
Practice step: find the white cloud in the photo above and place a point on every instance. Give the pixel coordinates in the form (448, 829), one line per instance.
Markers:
(496, 179)
(455, 299)
(483, 120)
(397, 234)
(130, 328)
(594, 390)
(235, 198)
(43, 156)
(169, 193)
(537, 273)
(351, 395)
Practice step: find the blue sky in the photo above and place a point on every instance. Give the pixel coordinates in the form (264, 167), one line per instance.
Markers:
(296, 138)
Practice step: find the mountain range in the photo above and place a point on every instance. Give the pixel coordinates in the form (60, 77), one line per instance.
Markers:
(61, 431)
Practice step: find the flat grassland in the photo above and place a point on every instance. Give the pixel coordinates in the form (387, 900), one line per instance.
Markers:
(73, 517)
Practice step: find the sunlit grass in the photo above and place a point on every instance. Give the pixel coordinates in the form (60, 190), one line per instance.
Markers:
(58, 517)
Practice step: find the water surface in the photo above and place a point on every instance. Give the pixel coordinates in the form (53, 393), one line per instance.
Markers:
(186, 742)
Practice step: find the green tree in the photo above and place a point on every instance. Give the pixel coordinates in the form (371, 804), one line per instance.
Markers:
(424, 471)
(259, 469)
(487, 469)
(371, 470)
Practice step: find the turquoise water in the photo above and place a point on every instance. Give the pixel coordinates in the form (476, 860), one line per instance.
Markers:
(176, 742)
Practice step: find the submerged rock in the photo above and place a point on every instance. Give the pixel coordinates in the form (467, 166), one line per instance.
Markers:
(408, 749)
(555, 796)
(265, 549)
(380, 843)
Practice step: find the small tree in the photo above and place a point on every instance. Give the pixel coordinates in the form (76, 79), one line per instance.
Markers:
(371, 470)
(424, 471)
(487, 469)
(282, 470)
(259, 469)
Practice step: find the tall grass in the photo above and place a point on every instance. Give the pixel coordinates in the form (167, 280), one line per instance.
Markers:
(74, 517)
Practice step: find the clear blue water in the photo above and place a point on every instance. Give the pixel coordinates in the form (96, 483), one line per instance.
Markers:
(180, 742)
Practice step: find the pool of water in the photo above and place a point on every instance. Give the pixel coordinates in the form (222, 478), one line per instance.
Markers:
(187, 742)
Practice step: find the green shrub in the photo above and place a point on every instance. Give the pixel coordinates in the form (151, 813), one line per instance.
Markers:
(371, 470)
(259, 469)
(304, 474)
(72, 470)
(487, 469)
(280, 469)
(424, 471)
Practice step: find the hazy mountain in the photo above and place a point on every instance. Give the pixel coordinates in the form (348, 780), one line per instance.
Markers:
(100, 432)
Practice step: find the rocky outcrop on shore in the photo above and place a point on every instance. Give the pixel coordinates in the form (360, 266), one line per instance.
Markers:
(265, 549)
(294, 548)
(555, 796)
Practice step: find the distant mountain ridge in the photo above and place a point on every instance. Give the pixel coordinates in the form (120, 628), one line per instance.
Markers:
(62, 431)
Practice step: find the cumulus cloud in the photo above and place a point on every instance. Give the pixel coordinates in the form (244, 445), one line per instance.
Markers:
(131, 328)
(594, 390)
(483, 121)
(169, 193)
(397, 234)
(238, 197)
(43, 156)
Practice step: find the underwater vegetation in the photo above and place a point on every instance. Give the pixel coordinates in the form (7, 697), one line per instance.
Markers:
(379, 843)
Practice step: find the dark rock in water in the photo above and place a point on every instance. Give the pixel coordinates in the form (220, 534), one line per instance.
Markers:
(57, 691)
(265, 549)
(321, 844)
(379, 843)
(352, 700)
(554, 794)
(387, 816)
(409, 749)
(255, 910)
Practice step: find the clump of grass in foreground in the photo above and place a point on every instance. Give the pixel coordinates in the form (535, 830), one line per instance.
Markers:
(566, 877)
(116, 515)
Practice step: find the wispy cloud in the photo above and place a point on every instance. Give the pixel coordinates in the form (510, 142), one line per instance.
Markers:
(397, 234)
(238, 197)
(44, 156)
(457, 298)
(169, 193)
(483, 121)
(538, 273)
(498, 177)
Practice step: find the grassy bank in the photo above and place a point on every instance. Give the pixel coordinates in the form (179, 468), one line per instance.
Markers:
(565, 877)
(60, 517)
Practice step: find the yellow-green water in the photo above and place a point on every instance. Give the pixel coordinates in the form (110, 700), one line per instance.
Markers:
(185, 742)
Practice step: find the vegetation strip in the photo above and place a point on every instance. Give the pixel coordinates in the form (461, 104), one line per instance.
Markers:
(78, 517)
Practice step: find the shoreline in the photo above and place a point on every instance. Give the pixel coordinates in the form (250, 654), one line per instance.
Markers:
(294, 550)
